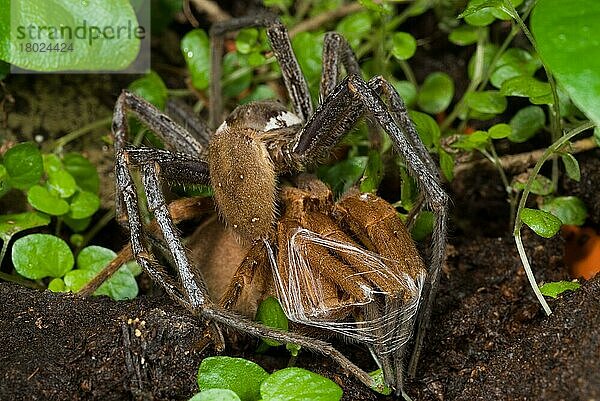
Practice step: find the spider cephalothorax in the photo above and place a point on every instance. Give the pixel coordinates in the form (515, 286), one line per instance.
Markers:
(355, 250)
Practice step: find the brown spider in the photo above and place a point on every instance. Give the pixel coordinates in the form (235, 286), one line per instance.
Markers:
(328, 261)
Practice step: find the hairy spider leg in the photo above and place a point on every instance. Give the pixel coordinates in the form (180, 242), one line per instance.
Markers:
(349, 101)
(184, 115)
(335, 47)
(154, 163)
(280, 43)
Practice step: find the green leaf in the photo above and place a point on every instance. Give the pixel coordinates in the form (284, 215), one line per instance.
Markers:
(464, 35)
(271, 314)
(379, 384)
(543, 223)
(295, 384)
(423, 225)
(537, 91)
(84, 172)
(446, 164)
(52, 163)
(436, 93)
(373, 173)
(571, 166)
(308, 48)
(24, 165)
(526, 123)
(427, 128)
(403, 45)
(540, 186)
(94, 48)
(152, 88)
(569, 209)
(62, 183)
(556, 288)
(84, 204)
(246, 40)
(4, 181)
(343, 175)
(406, 90)
(478, 13)
(568, 44)
(499, 131)
(10, 224)
(36, 256)
(77, 225)
(195, 47)
(492, 102)
(261, 92)
(355, 27)
(90, 261)
(512, 63)
(216, 394)
(233, 63)
(476, 140)
(56, 285)
(236, 374)
(45, 201)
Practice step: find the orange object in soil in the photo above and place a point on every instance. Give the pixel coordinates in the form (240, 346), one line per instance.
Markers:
(582, 251)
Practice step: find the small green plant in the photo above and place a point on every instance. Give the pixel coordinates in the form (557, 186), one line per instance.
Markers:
(61, 190)
(556, 288)
(221, 376)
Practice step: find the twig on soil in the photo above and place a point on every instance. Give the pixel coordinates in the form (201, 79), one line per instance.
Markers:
(213, 12)
(321, 19)
(520, 162)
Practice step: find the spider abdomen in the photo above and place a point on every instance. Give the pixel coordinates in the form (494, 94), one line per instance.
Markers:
(244, 180)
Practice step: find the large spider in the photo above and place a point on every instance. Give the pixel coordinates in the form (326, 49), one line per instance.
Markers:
(242, 160)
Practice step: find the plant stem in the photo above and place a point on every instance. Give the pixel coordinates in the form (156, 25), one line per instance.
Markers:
(104, 220)
(13, 278)
(63, 140)
(519, 223)
(4, 249)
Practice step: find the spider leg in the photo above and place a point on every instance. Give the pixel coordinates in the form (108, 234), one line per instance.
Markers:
(343, 107)
(280, 42)
(185, 116)
(335, 47)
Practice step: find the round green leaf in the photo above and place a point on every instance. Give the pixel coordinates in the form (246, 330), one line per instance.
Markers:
(567, 42)
(236, 374)
(120, 286)
(499, 131)
(270, 313)
(195, 47)
(52, 163)
(308, 48)
(295, 384)
(246, 40)
(427, 128)
(37, 256)
(436, 93)
(478, 15)
(569, 209)
(24, 165)
(476, 140)
(406, 90)
(216, 394)
(464, 35)
(404, 45)
(56, 285)
(77, 278)
(62, 183)
(94, 34)
(84, 172)
(10, 224)
(512, 63)
(355, 27)
(526, 123)
(543, 223)
(152, 88)
(232, 62)
(84, 204)
(538, 92)
(94, 258)
(491, 102)
(343, 175)
(45, 201)
(423, 225)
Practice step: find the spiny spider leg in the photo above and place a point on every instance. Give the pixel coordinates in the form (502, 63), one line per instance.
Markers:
(185, 116)
(280, 43)
(335, 47)
(343, 107)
